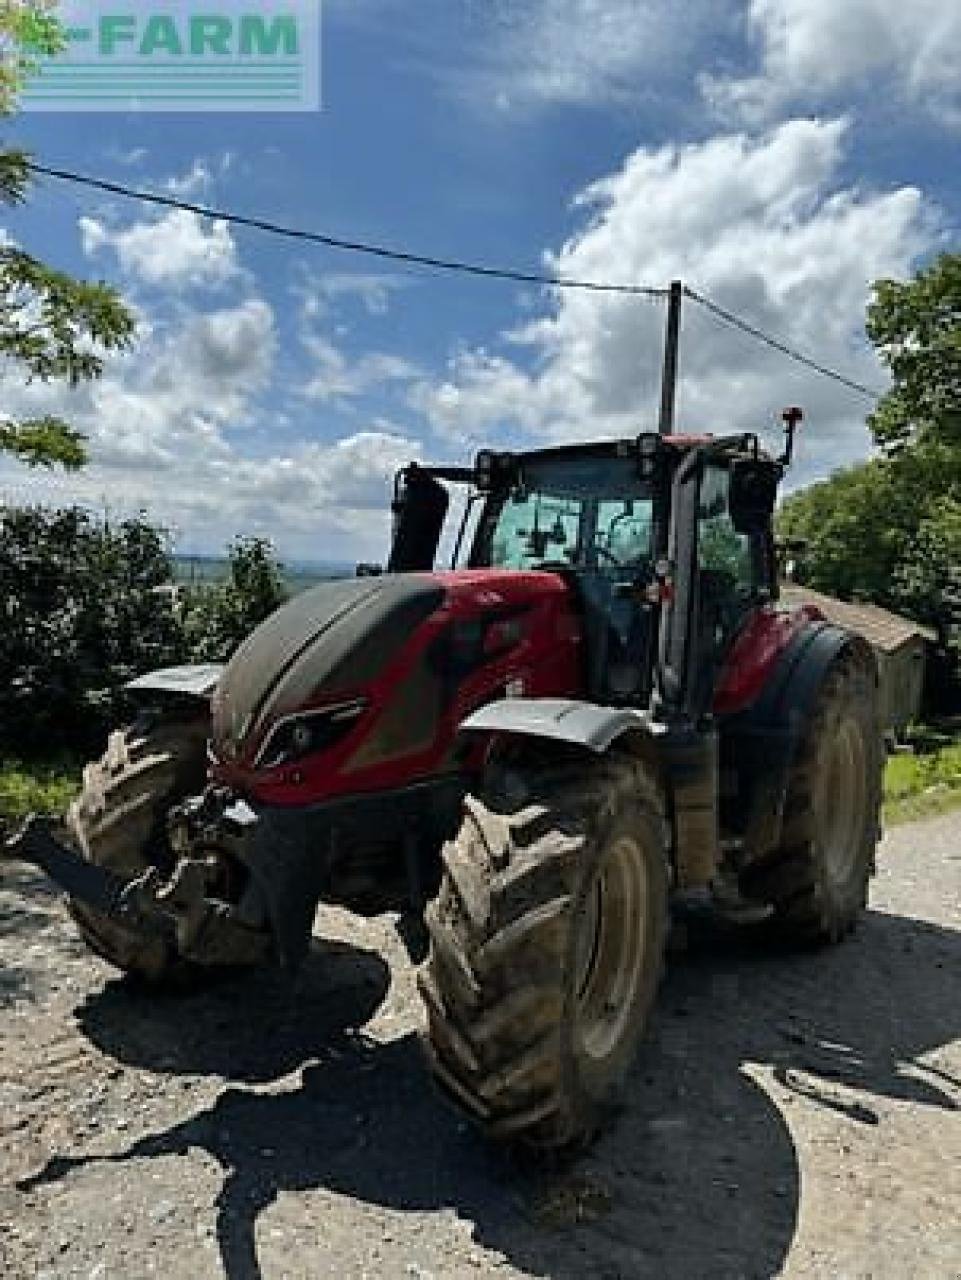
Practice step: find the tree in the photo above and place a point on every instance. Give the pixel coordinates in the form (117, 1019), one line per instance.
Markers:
(217, 618)
(916, 327)
(889, 531)
(55, 327)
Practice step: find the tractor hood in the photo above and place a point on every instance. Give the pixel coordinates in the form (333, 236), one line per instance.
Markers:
(326, 643)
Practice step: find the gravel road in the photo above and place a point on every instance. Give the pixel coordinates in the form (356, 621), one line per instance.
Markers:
(795, 1116)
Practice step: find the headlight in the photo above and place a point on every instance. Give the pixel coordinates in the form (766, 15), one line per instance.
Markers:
(307, 733)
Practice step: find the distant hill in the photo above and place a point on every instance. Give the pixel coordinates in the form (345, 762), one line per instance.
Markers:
(298, 574)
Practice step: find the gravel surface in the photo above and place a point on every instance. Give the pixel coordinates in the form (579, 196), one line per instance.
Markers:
(793, 1116)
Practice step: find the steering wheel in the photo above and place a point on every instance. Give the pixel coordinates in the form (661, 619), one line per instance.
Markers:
(603, 549)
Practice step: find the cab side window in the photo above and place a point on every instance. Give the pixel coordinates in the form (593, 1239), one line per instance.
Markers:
(623, 534)
(721, 550)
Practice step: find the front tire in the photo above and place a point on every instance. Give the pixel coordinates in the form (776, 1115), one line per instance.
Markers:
(119, 821)
(817, 877)
(547, 944)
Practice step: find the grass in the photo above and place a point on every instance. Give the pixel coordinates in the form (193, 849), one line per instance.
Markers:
(923, 784)
(915, 785)
(36, 788)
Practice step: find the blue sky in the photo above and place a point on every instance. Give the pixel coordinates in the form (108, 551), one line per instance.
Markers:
(777, 154)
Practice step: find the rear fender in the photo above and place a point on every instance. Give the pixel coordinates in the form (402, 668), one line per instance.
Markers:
(761, 744)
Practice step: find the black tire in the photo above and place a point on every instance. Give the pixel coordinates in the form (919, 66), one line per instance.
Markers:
(817, 877)
(119, 821)
(529, 1029)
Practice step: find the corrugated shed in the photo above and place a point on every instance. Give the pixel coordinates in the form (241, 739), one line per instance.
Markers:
(885, 631)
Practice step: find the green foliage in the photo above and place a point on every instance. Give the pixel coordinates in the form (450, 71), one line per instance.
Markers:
(33, 787)
(28, 30)
(14, 176)
(86, 606)
(55, 326)
(916, 327)
(43, 442)
(52, 325)
(916, 785)
(927, 581)
(889, 531)
(219, 616)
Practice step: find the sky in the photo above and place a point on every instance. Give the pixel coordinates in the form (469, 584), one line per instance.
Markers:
(776, 155)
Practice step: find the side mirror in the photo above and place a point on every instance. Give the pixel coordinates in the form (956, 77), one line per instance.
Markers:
(752, 495)
(419, 508)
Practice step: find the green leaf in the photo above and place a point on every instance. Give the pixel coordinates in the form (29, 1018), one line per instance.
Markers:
(46, 442)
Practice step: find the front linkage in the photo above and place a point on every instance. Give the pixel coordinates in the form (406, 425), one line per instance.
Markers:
(176, 908)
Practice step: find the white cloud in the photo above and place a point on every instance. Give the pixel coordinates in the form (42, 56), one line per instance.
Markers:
(201, 176)
(196, 180)
(328, 502)
(819, 51)
(334, 377)
(175, 251)
(180, 427)
(758, 224)
(133, 156)
(318, 292)
(167, 404)
(575, 52)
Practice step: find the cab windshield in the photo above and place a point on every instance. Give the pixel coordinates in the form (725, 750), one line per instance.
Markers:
(582, 513)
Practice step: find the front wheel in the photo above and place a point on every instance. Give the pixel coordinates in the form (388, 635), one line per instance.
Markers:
(119, 822)
(547, 943)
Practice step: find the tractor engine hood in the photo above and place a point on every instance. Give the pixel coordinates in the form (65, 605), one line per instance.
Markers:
(328, 642)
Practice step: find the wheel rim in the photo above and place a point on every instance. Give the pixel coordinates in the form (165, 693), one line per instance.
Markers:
(840, 801)
(611, 939)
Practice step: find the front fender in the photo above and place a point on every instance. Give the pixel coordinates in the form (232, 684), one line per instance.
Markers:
(581, 724)
(191, 681)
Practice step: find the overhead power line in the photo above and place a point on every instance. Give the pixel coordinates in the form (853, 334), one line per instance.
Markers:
(463, 267)
(736, 322)
(337, 242)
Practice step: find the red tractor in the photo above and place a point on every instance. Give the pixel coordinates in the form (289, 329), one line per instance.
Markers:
(603, 713)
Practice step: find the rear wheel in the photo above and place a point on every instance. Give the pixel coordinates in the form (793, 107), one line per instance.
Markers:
(817, 877)
(547, 943)
(119, 821)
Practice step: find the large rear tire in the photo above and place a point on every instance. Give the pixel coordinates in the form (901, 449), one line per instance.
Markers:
(817, 877)
(547, 944)
(119, 821)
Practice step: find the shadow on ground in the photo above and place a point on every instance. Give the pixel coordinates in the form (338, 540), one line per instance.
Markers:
(699, 1177)
(253, 1028)
(28, 903)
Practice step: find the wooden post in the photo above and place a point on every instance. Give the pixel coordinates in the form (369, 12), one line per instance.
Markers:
(671, 341)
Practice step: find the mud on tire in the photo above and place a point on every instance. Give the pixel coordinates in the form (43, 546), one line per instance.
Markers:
(547, 942)
(119, 821)
(817, 877)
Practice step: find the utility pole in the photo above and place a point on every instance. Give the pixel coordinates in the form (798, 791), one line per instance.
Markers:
(671, 339)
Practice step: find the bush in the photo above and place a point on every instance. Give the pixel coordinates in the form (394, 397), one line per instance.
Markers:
(84, 610)
(85, 606)
(218, 616)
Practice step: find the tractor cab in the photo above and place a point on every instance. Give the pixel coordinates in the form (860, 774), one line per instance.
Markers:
(651, 531)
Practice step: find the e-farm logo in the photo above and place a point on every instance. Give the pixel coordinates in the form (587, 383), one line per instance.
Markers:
(182, 55)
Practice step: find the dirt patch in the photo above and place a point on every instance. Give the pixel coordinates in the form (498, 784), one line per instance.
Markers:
(792, 1115)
